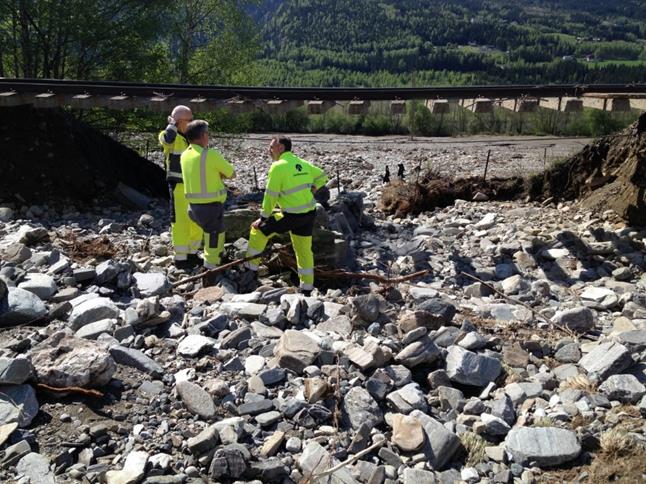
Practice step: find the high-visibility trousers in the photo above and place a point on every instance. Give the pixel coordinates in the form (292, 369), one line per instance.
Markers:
(210, 217)
(300, 227)
(186, 235)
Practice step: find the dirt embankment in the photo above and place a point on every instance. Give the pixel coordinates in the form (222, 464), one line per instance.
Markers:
(50, 155)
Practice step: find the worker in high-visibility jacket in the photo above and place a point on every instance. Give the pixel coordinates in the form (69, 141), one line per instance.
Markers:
(291, 185)
(186, 235)
(202, 171)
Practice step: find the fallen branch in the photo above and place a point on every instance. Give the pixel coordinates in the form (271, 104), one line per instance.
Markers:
(224, 267)
(78, 390)
(370, 276)
(527, 306)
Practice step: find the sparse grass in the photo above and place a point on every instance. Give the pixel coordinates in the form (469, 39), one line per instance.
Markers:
(580, 421)
(579, 382)
(544, 422)
(474, 446)
(617, 443)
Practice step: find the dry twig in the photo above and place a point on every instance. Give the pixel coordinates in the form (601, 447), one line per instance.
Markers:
(79, 391)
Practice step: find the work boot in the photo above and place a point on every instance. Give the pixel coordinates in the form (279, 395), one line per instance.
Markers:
(184, 265)
(305, 292)
(194, 260)
(211, 279)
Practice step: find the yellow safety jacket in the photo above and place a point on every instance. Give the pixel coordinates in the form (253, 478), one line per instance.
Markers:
(201, 170)
(290, 184)
(174, 144)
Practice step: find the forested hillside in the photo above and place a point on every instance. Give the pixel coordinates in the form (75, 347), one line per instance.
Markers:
(370, 42)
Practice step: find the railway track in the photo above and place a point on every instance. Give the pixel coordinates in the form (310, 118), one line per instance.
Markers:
(128, 95)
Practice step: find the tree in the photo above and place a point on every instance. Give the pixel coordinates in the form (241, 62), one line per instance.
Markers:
(212, 41)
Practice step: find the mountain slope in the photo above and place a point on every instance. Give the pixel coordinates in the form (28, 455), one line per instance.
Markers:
(335, 42)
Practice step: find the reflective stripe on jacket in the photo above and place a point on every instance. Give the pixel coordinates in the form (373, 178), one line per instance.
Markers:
(290, 184)
(201, 170)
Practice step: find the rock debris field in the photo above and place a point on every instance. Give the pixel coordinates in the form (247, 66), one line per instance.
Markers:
(518, 357)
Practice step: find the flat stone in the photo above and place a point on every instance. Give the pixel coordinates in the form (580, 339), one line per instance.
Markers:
(469, 368)
(136, 359)
(606, 359)
(295, 351)
(367, 307)
(418, 476)
(596, 294)
(63, 360)
(569, 353)
(579, 319)
(208, 295)
(419, 352)
(315, 459)
(235, 338)
(272, 444)
(133, 470)
(6, 430)
(268, 418)
(543, 446)
(408, 398)
(515, 356)
(359, 407)
(194, 344)
(255, 407)
(94, 330)
(36, 468)
(229, 462)
(249, 311)
(150, 284)
(14, 371)
(408, 433)
(196, 399)
(368, 356)
(22, 307)
(339, 324)
(315, 389)
(92, 310)
(18, 404)
(422, 293)
(625, 388)
(42, 285)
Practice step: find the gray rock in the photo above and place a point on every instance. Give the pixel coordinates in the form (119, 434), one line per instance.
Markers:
(18, 404)
(360, 407)
(543, 446)
(35, 468)
(94, 330)
(14, 371)
(419, 352)
(569, 353)
(106, 272)
(133, 470)
(23, 307)
(42, 285)
(469, 368)
(6, 214)
(295, 351)
(203, 442)
(625, 388)
(450, 398)
(249, 311)
(229, 462)
(235, 338)
(579, 319)
(418, 476)
(136, 359)
(150, 284)
(442, 311)
(478, 289)
(441, 445)
(634, 340)
(503, 408)
(196, 399)
(255, 407)
(606, 359)
(84, 274)
(315, 459)
(194, 344)
(367, 307)
(339, 324)
(92, 310)
(65, 361)
(494, 425)
(408, 398)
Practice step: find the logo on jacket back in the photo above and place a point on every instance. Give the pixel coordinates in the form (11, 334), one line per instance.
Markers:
(299, 167)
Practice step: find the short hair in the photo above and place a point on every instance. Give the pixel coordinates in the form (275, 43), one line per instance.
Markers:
(177, 110)
(286, 142)
(195, 130)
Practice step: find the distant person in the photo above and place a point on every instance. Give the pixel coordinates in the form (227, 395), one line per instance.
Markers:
(203, 170)
(400, 171)
(292, 184)
(186, 235)
(387, 176)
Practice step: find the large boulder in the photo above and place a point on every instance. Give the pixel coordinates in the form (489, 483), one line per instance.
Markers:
(63, 360)
(544, 446)
(22, 307)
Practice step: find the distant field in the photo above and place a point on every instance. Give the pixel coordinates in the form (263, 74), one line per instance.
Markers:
(617, 62)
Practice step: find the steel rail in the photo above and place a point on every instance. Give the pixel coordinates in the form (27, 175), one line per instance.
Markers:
(114, 88)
